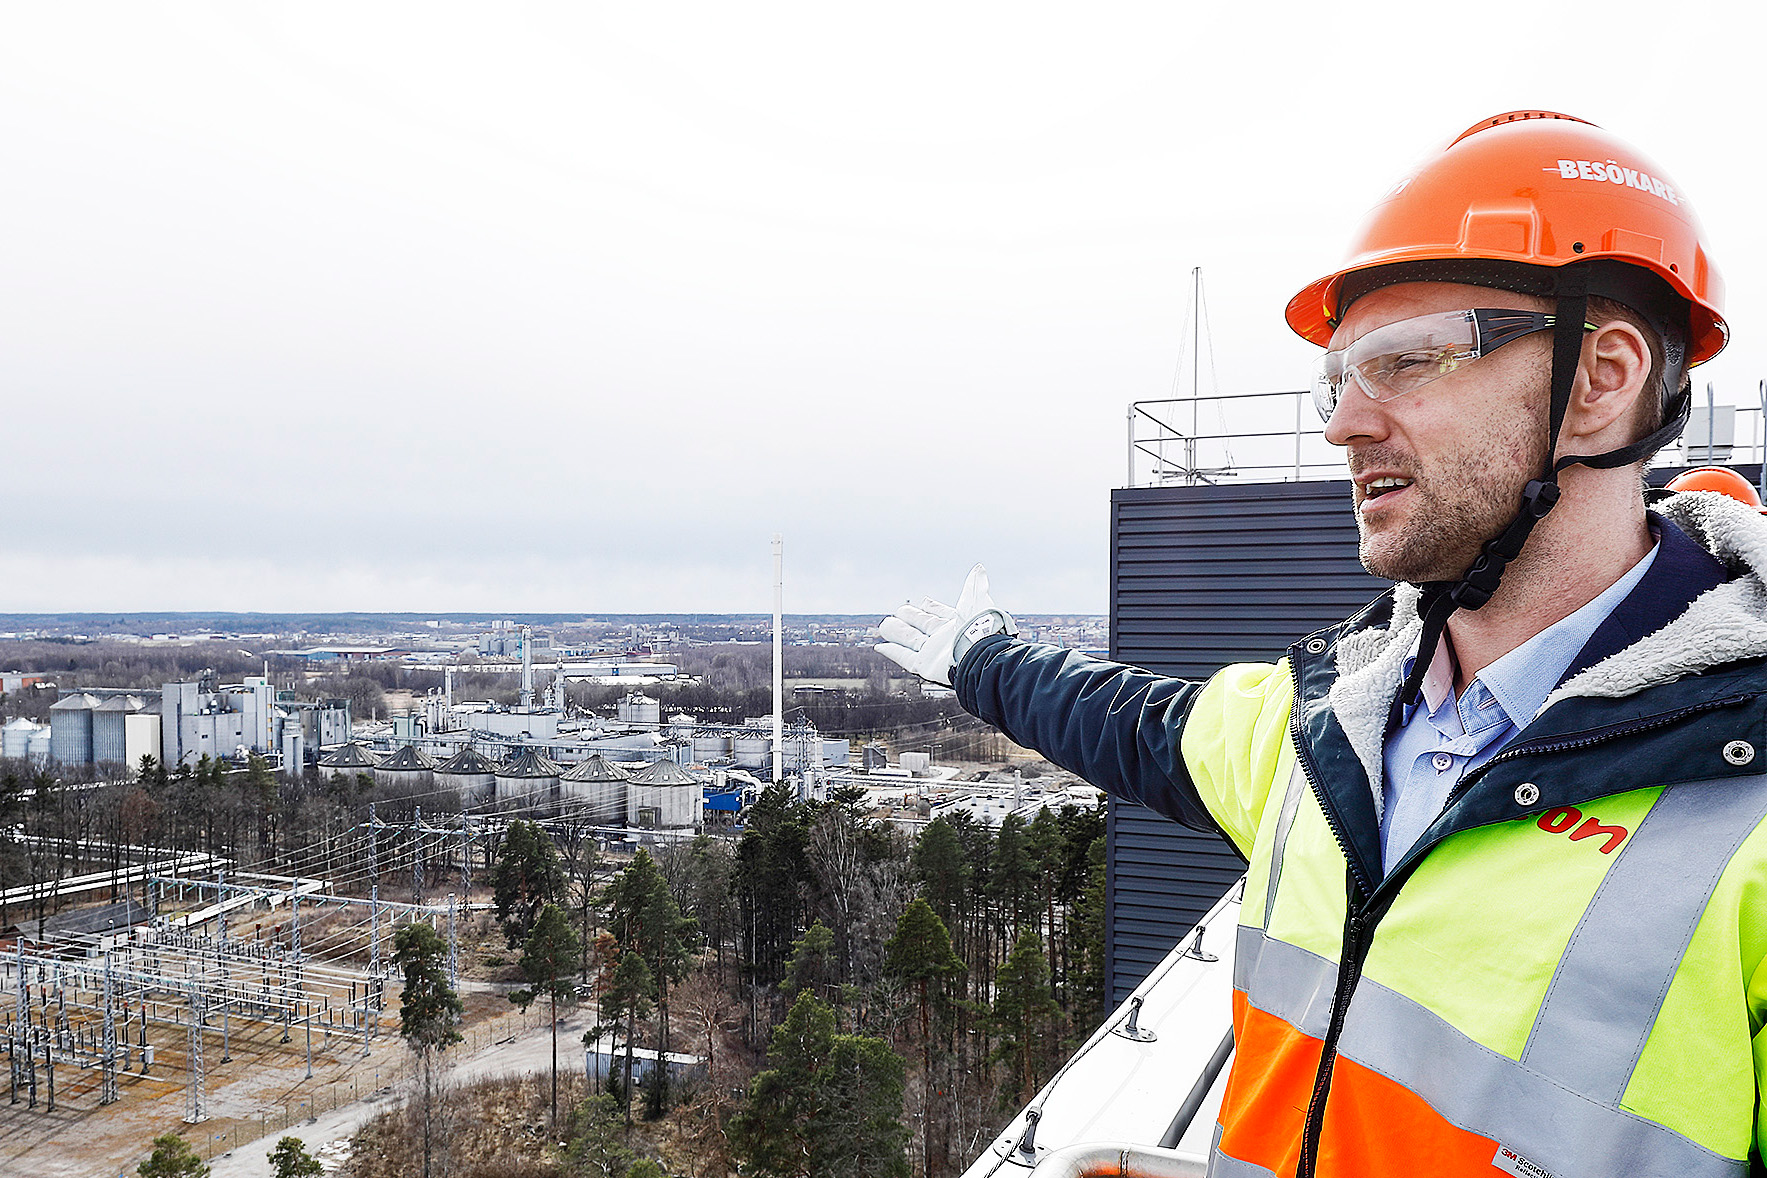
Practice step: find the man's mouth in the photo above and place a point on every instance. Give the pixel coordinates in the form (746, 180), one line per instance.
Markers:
(1375, 488)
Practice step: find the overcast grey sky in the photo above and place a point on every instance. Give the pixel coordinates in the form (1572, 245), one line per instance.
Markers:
(571, 306)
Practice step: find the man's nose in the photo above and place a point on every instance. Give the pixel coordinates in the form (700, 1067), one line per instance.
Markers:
(1356, 415)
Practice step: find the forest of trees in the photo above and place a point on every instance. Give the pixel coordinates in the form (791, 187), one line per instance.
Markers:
(868, 1003)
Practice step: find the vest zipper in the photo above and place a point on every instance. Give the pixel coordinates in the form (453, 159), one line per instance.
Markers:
(1357, 937)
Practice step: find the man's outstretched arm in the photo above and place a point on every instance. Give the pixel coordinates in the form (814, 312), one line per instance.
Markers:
(1117, 726)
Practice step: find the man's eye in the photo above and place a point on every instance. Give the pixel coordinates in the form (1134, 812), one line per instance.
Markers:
(1413, 362)
(1402, 371)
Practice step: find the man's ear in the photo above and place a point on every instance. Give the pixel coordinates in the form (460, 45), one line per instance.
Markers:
(1611, 380)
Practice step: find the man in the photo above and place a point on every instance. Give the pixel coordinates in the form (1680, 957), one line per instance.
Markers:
(1503, 911)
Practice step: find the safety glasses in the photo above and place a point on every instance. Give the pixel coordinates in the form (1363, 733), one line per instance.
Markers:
(1403, 357)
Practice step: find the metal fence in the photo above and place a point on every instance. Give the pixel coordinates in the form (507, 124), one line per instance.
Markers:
(1277, 437)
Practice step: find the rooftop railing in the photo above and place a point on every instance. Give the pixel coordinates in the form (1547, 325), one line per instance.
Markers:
(1277, 437)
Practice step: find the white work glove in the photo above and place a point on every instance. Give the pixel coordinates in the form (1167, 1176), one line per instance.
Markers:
(924, 638)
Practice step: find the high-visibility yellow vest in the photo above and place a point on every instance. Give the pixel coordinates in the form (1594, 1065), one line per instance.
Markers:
(1577, 991)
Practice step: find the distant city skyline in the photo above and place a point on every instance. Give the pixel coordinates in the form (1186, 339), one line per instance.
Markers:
(571, 307)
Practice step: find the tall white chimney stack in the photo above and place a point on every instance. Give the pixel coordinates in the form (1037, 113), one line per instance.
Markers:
(778, 658)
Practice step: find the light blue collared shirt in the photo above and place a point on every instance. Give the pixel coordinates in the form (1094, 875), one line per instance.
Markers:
(1441, 740)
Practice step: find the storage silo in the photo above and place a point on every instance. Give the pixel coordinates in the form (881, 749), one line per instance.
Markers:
(15, 738)
(405, 774)
(637, 708)
(70, 729)
(471, 774)
(110, 742)
(710, 746)
(528, 782)
(595, 791)
(664, 796)
(752, 750)
(38, 747)
(348, 760)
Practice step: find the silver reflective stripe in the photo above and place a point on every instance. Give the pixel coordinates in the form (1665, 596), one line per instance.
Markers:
(1292, 983)
(1484, 1092)
(1609, 986)
(1222, 1166)
(1285, 818)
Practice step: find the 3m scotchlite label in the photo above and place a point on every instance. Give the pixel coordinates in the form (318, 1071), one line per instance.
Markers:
(1511, 1162)
(1609, 985)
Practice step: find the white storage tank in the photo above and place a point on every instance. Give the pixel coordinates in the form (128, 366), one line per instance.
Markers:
(70, 728)
(38, 748)
(710, 746)
(110, 744)
(470, 774)
(15, 737)
(595, 791)
(664, 796)
(347, 760)
(752, 751)
(636, 708)
(528, 782)
(406, 773)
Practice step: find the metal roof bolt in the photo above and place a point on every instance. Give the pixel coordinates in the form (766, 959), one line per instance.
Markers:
(1027, 1145)
(1194, 950)
(1132, 1028)
(1739, 752)
(1527, 793)
(1315, 646)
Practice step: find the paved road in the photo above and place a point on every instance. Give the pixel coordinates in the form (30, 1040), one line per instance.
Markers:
(327, 1136)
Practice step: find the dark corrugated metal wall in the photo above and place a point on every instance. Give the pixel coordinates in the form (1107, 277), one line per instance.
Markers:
(1202, 577)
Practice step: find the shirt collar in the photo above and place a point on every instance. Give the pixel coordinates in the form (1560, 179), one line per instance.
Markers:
(1521, 680)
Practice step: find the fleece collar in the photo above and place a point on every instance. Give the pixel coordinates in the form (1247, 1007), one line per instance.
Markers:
(1722, 626)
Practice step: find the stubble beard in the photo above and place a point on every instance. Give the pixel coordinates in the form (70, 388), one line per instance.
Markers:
(1453, 512)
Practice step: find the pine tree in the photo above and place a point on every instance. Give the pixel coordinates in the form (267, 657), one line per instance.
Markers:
(828, 1106)
(1046, 847)
(920, 954)
(1023, 1016)
(595, 1149)
(528, 876)
(429, 1012)
(172, 1157)
(812, 965)
(772, 1133)
(290, 1159)
(629, 997)
(1087, 995)
(549, 956)
(939, 865)
(645, 918)
(1014, 871)
(859, 1133)
(772, 870)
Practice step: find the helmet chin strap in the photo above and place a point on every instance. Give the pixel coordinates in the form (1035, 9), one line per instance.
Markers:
(1480, 581)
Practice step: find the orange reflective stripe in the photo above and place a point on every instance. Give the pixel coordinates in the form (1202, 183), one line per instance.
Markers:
(1264, 1106)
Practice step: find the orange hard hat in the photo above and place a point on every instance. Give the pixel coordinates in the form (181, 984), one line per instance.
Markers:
(1533, 191)
(1720, 479)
